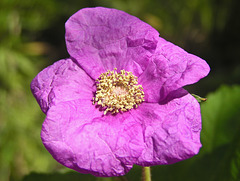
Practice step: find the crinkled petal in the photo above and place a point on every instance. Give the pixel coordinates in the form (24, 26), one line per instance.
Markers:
(170, 68)
(78, 137)
(101, 39)
(62, 81)
(171, 131)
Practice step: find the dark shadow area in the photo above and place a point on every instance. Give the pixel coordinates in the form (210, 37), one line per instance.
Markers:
(73, 176)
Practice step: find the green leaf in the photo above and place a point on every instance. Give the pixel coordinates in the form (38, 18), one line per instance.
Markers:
(220, 116)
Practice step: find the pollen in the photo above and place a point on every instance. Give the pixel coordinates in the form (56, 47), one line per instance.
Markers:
(118, 92)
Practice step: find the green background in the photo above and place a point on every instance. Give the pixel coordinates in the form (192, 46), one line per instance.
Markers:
(32, 37)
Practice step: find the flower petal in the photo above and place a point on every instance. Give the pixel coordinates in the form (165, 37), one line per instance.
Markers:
(104, 146)
(171, 68)
(171, 130)
(62, 81)
(101, 39)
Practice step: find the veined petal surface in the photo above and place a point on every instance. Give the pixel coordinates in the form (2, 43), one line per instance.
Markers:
(79, 137)
(62, 81)
(170, 68)
(171, 130)
(102, 39)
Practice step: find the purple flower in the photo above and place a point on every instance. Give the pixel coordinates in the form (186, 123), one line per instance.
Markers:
(118, 100)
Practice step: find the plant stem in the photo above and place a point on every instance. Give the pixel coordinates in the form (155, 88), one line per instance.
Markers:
(146, 174)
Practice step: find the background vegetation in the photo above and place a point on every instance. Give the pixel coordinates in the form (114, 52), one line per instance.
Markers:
(32, 37)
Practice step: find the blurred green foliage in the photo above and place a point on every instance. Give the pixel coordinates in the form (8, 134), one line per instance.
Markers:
(32, 37)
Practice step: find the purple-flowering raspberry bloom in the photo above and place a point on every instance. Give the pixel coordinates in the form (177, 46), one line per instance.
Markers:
(162, 124)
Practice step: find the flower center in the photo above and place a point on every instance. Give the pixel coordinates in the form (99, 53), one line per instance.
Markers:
(118, 91)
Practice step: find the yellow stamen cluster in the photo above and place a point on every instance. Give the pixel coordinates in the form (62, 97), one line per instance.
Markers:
(118, 91)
